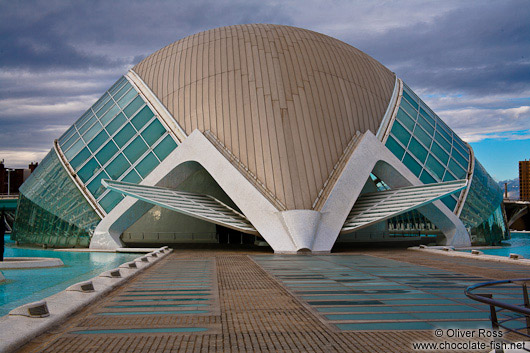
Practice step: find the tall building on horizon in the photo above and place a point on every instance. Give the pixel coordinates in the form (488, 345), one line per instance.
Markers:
(524, 180)
(12, 178)
(264, 131)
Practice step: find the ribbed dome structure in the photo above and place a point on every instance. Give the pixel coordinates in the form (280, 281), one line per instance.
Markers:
(259, 131)
(284, 101)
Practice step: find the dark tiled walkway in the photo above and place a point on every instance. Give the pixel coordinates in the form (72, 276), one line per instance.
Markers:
(359, 292)
(198, 301)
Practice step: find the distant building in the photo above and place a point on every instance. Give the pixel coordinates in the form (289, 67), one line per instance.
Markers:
(261, 131)
(524, 180)
(11, 179)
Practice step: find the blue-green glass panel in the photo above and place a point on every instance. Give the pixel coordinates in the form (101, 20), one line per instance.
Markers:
(116, 123)
(117, 85)
(135, 149)
(67, 134)
(435, 166)
(109, 201)
(109, 114)
(440, 153)
(463, 162)
(409, 109)
(88, 170)
(422, 136)
(105, 108)
(132, 177)
(124, 90)
(448, 176)
(411, 163)
(405, 120)
(83, 119)
(76, 147)
(153, 132)
(147, 165)
(167, 145)
(443, 132)
(142, 117)
(410, 99)
(98, 140)
(104, 99)
(425, 125)
(93, 131)
(117, 167)
(95, 186)
(427, 116)
(106, 153)
(463, 151)
(442, 141)
(450, 202)
(395, 147)
(80, 158)
(71, 139)
(456, 169)
(87, 125)
(400, 133)
(426, 178)
(125, 134)
(133, 106)
(417, 150)
(127, 97)
(441, 125)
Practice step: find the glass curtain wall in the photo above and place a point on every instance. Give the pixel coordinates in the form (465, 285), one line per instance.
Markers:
(482, 212)
(434, 153)
(118, 138)
(52, 210)
(426, 145)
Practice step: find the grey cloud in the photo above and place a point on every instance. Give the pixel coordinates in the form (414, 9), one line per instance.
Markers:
(37, 44)
(62, 56)
(105, 34)
(483, 48)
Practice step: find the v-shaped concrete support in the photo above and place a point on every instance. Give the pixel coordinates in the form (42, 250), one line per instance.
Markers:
(285, 231)
(369, 156)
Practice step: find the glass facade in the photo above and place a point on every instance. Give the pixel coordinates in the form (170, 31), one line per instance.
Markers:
(482, 212)
(426, 145)
(118, 138)
(434, 153)
(52, 210)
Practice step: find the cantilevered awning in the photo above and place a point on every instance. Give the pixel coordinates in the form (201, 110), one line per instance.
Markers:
(200, 206)
(378, 206)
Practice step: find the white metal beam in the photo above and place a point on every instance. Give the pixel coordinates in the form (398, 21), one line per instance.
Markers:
(200, 206)
(375, 207)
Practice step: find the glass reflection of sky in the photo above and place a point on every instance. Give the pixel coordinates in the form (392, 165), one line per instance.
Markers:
(28, 285)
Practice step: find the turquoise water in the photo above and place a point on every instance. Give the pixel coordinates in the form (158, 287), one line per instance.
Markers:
(518, 244)
(28, 285)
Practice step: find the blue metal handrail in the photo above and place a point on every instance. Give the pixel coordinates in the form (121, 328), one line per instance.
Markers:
(522, 310)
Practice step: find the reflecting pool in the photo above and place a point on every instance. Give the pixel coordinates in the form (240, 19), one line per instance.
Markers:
(28, 285)
(518, 244)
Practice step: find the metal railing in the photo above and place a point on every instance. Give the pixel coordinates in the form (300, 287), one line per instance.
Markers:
(504, 315)
(13, 195)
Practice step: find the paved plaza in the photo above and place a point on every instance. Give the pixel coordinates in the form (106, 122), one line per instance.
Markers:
(245, 301)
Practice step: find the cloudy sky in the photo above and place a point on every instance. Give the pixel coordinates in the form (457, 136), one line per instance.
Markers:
(469, 60)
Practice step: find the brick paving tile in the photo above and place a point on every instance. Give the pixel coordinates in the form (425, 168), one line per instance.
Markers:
(250, 312)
